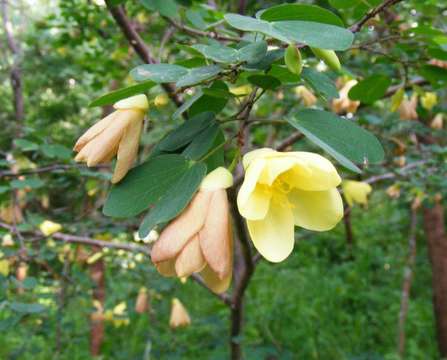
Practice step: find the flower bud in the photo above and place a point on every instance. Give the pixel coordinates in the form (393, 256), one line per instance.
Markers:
(407, 108)
(356, 192)
(329, 57)
(179, 315)
(142, 303)
(48, 227)
(438, 122)
(309, 99)
(292, 58)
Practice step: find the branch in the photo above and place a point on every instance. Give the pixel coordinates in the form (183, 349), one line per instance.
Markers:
(372, 13)
(49, 168)
(138, 45)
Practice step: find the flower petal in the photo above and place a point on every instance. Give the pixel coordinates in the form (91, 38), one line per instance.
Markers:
(258, 203)
(252, 174)
(315, 173)
(190, 259)
(215, 236)
(175, 236)
(166, 268)
(137, 102)
(316, 210)
(274, 236)
(275, 166)
(128, 146)
(94, 131)
(356, 192)
(219, 178)
(213, 281)
(256, 154)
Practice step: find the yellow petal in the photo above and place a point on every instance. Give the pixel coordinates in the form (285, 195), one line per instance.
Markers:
(94, 131)
(48, 227)
(257, 205)
(275, 166)
(179, 315)
(190, 259)
(316, 174)
(356, 192)
(128, 146)
(316, 210)
(256, 154)
(252, 174)
(216, 234)
(274, 236)
(137, 102)
(213, 282)
(219, 178)
(175, 236)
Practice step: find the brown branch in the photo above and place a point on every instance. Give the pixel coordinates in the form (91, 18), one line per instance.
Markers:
(139, 45)
(372, 13)
(406, 285)
(49, 168)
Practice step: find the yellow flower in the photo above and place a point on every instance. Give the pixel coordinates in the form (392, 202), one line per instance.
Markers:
(344, 104)
(281, 190)
(393, 191)
(308, 97)
(428, 100)
(199, 240)
(407, 108)
(161, 100)
(179, 315)
(117, 134)
(356, 192)
(48, 227)
(4, 267)
(437, 122)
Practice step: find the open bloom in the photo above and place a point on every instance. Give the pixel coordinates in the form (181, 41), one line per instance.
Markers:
(199, 240)
(281, 190)
(117, 134)
(356, 192)
(179, 315)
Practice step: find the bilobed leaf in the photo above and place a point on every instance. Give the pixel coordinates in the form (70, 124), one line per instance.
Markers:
(341, 138)
(315, 34)
(197, 75)
(159, 73)
(320, 83)
(175, 200)
(145, 185)
(265, 82)
(114, 96)
(370, 89)
(164, 7)
(301, 12)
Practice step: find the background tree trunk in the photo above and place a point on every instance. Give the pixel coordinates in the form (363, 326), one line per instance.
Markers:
(434, 227)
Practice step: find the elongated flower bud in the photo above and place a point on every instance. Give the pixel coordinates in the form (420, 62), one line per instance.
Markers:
(329, 57)
(292, 58)
(179, 315)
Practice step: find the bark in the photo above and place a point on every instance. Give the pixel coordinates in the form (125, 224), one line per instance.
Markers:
(434, 227)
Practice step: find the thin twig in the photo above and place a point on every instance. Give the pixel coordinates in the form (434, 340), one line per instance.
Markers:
(372, 13)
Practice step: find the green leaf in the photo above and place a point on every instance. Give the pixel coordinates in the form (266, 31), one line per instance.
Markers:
(301, 12)
(370, 89)
(56, 151)
(253, 52)
(266, 61)
(4, 189)
(314, 34)
(186, 132)
(292, 58)
(25, 145)
(320, 83)
(159, 73)
(175, 200)
(202, 143)
(27, 308)
(218, 53)
(164, 7)
(198, 75)
(344, 4)
(265, 82)
(145, 185)
(341, 138)
(32, 183)
(436, 75)
(213, 99)
(283, 74)
(114, 96)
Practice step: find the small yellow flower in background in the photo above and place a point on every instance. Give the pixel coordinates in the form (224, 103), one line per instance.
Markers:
(120, 309)
(428, 100)
(161, 100)
(437, 122)
(393, 191)
(356, 192)
(281, 190)
(343, 104)
(241, 90)
(199, 240)
(4, 267)
(407, 108)
(179, 315)
(7, 240)
(117, 134)
(49, 227)
(309, 99)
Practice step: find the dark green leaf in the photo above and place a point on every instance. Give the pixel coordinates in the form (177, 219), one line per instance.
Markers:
(56, 151)
(266, 61)
(218, 53)
(197, 75)
(145, 185)
(436, 75)
(343, 139)
(159, 73)
(213, 99)
(25, 145)
(320, 83)
(164, 7)
(253, 52)
(32, 183)
(265, 82)
(283, 74)
(26, 308)
(370, 89)
(174, 200)
(202, 143)
(114, 96)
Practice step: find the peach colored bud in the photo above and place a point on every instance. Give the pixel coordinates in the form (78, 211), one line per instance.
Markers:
(142, 303)
(393, 191)
(438, 122)
(308, 97)
(22, 272)
(118, 134)
(179, 315)
(407, 108)
(344, 104)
